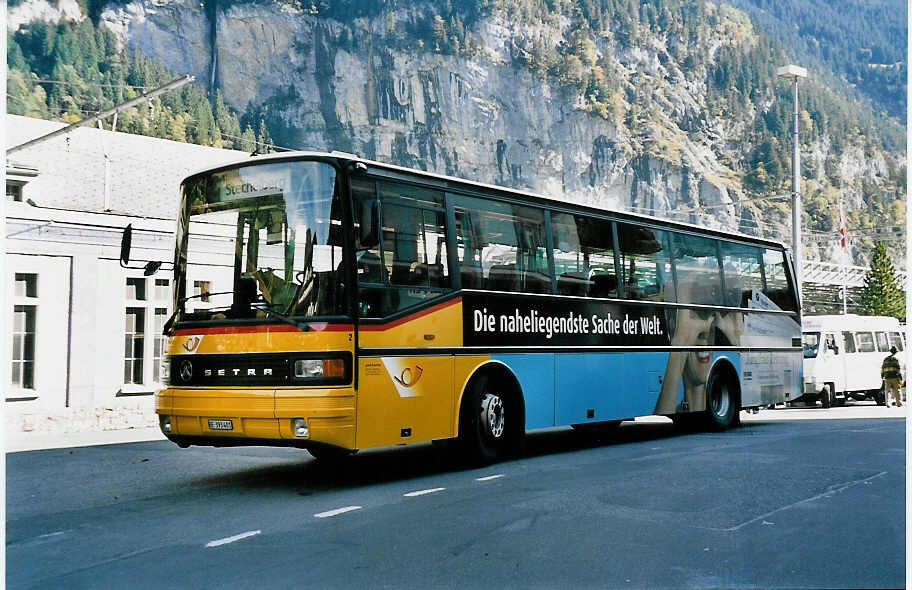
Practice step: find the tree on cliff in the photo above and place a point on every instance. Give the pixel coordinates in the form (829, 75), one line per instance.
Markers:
(882, 294)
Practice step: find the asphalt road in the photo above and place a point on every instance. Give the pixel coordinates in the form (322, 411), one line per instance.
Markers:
(773, 504)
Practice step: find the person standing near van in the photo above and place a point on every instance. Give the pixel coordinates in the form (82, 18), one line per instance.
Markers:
(891, 372)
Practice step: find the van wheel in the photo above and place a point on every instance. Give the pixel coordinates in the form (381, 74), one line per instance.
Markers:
(826, 396)
(880, 396)
(721, 402)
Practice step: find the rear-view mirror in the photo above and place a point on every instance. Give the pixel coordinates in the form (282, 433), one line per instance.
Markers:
(125, 243)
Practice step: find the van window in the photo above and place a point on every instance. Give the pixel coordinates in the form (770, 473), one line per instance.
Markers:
(896, 340)
(848, 339)
(883, 345)
(831, 344)
(865, 341)
(810, 341)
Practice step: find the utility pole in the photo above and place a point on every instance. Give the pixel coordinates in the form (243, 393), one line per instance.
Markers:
(793, 73)
(172, 85)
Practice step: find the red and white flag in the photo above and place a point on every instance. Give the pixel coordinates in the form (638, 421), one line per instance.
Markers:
(843, 233)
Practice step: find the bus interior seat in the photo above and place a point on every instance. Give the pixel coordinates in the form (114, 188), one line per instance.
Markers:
(427, 274)
(401, 273)
(369, 268)
(603, 285)
(471, 277)
(536, 282)
(573, 283)
(503, 277)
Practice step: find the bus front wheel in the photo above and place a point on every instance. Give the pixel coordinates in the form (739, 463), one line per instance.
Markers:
(490, 423)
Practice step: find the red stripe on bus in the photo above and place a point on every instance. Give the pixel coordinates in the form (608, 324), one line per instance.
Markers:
(314, 327)
(408, 318)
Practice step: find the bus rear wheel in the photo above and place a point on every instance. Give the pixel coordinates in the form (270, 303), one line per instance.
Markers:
(721, 402)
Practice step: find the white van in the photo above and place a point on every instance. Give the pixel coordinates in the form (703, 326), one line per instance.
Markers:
(843, 355)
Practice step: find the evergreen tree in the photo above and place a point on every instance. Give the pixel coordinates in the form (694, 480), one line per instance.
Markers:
(882, 294)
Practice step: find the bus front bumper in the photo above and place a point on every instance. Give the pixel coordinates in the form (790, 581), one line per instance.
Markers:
(303, 418)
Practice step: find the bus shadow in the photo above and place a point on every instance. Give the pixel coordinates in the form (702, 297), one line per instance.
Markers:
(378, 466)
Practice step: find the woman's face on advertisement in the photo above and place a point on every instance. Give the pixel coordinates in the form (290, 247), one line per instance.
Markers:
(697, 364)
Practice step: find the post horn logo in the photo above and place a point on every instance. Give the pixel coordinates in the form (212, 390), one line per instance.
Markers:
(408, 378)
(192, 343)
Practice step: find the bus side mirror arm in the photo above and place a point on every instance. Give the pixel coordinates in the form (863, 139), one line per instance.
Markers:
(126, 241)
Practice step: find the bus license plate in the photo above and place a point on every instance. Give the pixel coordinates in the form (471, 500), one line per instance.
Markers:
(220, 425)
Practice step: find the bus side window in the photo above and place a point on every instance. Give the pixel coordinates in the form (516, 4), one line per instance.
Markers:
(583, 256)
(645, 263)
(831, 347)
(697, 270)
(896, 340)
(506, 242)
(848, 342)
(741, 268)
(776, 279)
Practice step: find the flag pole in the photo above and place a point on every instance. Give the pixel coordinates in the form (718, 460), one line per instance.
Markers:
(844, 245)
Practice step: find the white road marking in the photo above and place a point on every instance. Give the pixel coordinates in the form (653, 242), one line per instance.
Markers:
(337, 511)
(50, 535)
(227, 540)
(423, 492)
(490, 477)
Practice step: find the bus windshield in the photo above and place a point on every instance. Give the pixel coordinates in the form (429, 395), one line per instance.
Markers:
(276, 228)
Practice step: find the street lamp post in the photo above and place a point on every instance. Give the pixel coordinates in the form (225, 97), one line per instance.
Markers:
(793, 73)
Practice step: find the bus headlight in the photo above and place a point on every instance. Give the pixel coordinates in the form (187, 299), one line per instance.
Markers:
(319, 368)
(164, 370)
(164, 421)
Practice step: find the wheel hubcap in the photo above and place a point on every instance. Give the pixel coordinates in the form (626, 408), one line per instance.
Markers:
(492, 415)
(720, 401)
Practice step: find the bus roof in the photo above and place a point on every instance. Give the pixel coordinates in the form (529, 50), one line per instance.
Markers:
(444, 181)
(849, 322)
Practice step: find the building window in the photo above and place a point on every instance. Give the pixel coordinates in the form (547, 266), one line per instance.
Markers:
(25, 313)
(161, 316)
(146, 308)
(14, 190)
(162, 289)
(134, 333)
(202, 289)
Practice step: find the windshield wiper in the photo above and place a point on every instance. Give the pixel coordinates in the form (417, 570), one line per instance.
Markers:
(166, 329)
(304, 327)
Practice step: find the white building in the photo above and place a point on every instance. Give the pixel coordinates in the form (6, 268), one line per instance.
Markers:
(84, 334)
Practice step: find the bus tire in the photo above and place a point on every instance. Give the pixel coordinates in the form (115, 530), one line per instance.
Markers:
(325, 453)
(491, 419)
(826, 396)
(722, 403)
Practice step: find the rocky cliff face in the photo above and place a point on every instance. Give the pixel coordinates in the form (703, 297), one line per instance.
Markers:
(369, 88)
(480, 118)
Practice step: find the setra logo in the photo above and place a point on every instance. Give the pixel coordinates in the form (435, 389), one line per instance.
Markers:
(191, 344)
(407, 378)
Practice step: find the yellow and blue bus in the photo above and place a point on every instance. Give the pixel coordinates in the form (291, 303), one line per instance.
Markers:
(332, 303)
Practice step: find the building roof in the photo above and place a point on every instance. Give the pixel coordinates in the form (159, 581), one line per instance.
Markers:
(140, 175)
